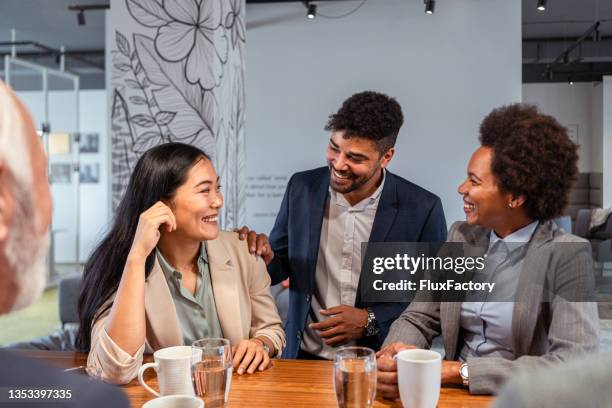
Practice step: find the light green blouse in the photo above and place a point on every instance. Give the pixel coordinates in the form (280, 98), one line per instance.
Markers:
(197, 314)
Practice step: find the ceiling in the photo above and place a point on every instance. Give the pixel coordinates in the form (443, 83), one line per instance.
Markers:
(546, 35)
(50, 23)
(565, 17)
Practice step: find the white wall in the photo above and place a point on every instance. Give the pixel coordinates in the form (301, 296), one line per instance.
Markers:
(94, 213)
(590, 107)
(447, 71)
(597, 135)
(572, 106)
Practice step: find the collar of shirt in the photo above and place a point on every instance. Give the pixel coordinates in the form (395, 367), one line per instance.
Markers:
(518, 238)
(338, 198)
(170, 272)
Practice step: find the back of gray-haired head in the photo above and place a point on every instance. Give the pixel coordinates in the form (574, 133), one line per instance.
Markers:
(14, 149)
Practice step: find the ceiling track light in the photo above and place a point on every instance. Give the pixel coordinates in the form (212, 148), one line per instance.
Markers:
(81, 8)
(549, 75)
(564, 56)
(570, 80)
(311, 10)
(81, 18)
(430, 6)
(566, 60)
(541, 5)
(597, 35)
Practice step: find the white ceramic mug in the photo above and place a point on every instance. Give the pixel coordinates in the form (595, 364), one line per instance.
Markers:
(418, 377)
(175, 401)
(173, 368)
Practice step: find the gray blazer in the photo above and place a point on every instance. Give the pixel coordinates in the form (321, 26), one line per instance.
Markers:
(544, 333)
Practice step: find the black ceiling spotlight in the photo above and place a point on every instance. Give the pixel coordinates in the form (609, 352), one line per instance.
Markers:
(566, 58)
(311, 10)
(596, 35)
(570, 80)
(81, 17)
(541, 5)
(430, 6)
(81, 8)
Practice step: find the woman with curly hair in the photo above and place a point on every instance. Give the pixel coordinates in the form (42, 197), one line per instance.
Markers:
(517, 182)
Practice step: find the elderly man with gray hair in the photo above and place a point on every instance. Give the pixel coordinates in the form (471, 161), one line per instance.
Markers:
(25, 215)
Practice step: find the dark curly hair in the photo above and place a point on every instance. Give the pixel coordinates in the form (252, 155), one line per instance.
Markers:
(370, 115)
(532, 157)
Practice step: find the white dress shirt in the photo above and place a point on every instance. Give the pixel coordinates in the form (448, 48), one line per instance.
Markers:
(487, 326)
(338, 269)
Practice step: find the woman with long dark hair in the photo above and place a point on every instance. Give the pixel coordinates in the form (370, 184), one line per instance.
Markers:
(165, 275)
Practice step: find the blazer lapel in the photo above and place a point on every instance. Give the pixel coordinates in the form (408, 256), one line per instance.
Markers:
(160, 312)
(449, 322)
(386, 211)
(528, 299)
(314, 218)
(225, 290)
(476, 242)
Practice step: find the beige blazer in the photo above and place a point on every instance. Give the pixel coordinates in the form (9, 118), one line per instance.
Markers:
(241, 287)
(544, 333)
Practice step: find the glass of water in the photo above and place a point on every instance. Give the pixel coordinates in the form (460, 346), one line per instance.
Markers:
(355, 377)
(212, 370)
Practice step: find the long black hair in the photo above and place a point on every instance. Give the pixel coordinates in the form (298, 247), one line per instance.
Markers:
(157, 175)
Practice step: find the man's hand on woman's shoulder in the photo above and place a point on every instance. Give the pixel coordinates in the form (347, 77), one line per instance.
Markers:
(257, 243)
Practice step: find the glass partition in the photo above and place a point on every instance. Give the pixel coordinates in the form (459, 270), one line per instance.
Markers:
(52, 98)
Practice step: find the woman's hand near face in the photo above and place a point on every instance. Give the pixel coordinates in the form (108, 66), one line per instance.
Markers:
(147, 233)
(250, 356)
(126, 324)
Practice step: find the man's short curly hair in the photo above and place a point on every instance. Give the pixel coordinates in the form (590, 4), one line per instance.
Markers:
(532, 157)
(370, 115)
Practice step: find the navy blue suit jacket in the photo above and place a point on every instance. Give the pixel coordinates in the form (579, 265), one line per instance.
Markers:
(19, 372)
(406, 213)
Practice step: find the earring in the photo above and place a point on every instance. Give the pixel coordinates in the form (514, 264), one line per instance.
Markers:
(510, 205)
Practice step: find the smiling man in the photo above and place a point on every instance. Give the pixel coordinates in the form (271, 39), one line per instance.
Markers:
(328, 212)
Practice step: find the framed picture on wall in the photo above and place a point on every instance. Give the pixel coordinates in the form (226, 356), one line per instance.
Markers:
(90, 143)
(61, 173)
(90, 173)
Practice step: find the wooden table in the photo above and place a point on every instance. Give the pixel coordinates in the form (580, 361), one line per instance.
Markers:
(290, 383)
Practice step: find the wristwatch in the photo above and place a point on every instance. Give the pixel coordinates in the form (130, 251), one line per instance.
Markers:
(265, 346)
(463, 372)
(371, 327)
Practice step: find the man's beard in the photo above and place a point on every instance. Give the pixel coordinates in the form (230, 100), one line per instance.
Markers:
(26, 253)
(355, 181)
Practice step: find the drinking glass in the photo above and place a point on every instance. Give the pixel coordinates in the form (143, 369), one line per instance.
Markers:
(355, 377)
(212, 370)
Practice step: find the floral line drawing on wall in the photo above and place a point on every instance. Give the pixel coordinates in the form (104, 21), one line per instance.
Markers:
(178, 76)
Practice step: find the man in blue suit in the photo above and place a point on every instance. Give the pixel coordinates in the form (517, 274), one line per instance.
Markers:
(328, 212)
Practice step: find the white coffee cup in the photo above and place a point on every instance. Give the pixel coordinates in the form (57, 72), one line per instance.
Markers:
(173, 368)
(418, 377)
(175, 401)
